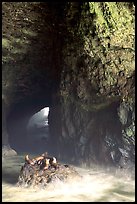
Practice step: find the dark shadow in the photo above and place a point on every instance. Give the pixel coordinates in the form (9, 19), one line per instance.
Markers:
(11, 167)
(11, 177)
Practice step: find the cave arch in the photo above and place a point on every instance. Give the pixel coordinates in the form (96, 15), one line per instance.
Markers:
(18, 119)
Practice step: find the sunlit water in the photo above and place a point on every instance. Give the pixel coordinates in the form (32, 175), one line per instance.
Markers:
(95, 185)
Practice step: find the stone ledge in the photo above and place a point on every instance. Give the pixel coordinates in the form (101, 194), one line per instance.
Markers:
(8, 151)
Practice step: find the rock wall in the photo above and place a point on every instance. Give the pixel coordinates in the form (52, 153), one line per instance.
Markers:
(30, 56)
(97, 84)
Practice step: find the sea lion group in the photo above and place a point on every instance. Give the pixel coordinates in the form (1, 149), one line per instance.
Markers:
(44, 169)
(43, 161)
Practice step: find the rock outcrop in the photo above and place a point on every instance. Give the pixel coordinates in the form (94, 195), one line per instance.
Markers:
(35, 174)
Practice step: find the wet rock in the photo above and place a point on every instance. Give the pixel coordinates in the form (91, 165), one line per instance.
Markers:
(36, 176)
(8, 151)
(126, 114)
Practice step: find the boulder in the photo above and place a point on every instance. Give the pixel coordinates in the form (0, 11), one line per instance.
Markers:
(35, 175)
(8, 151)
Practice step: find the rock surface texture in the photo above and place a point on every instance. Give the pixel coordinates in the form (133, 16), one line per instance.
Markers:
(35, 175)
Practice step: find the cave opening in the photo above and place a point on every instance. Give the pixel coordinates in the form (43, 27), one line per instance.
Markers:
(38, 131)
(28, 127)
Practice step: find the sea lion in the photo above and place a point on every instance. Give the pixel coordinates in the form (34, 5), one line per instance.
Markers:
(28, 160)
(53, 162)
(47, 163)
(50, 162)
(44, 161)
(39, 159)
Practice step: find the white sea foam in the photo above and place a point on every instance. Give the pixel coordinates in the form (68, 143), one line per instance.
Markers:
(95, 185)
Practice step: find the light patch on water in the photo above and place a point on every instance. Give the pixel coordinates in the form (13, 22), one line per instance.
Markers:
(95, 185)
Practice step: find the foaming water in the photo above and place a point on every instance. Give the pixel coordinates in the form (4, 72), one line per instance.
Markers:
(95, 185)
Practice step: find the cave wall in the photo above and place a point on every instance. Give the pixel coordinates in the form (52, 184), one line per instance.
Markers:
(30, 57)
(78, 57)
(97, 84)
(4, 125)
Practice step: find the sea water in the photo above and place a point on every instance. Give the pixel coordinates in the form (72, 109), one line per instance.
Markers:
(96, 185)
